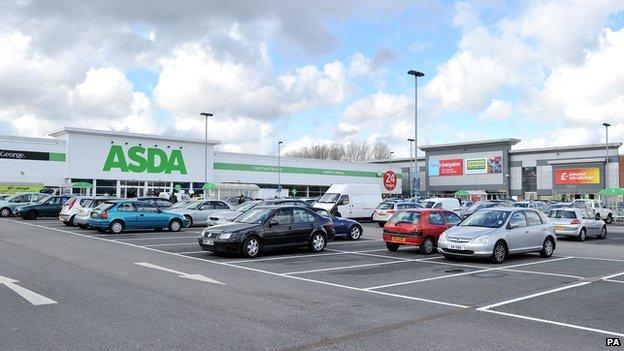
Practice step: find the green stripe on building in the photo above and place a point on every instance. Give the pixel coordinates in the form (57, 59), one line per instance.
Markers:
(57, 156)
(294, 170)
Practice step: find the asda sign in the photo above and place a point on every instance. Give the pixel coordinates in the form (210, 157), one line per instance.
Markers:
(138, 159)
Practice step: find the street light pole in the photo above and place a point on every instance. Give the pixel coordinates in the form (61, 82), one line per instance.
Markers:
(206, 115)
(606, 125)
(411, 174)
(416, 75)
(391, 153)
(279, 169)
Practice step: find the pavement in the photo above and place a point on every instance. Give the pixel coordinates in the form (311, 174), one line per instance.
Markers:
(66, 288)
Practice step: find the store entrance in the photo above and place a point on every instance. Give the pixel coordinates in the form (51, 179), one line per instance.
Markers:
(131, 189)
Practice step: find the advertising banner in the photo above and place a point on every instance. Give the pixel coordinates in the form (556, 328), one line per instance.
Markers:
(451, 167)
(577, 176)
(434, 168)
(495, 164)
(476, 166)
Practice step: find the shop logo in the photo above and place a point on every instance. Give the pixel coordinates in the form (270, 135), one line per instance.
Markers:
(140, 159)
(390, 180)
(577, 176)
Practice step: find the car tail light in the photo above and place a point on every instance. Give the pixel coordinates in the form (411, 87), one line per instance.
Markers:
(71, 203)
(104, 215)
(575, 221)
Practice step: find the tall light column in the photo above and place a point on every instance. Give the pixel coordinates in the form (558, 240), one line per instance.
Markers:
(606, 125)
(412, 170)
(416, 75)
(279, 169)
(206, 115)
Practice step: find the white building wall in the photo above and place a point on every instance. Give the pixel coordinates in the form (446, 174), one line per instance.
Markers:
(32, 171)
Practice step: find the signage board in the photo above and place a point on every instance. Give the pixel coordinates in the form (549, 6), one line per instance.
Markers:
(577, 176)
(434, 168)
(451, 167)
(476, 166)
(390, 180)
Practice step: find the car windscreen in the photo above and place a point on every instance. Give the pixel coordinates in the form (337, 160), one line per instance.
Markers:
(385, 206)
(322, 212)
(254, 216)
(564, 214)
(330, 198)
(246, 206)
(45, 199)
(486, 218)
(87, 203)
(409, 217)
(105, 206)
(518, 204)
(427, 204)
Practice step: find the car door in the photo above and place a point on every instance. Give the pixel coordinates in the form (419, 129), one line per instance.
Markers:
(303, 225)
(536, 229)
(50, 207)
(435, 224)
(149, 216)
(129, 214)
(593, 225)
(517, 232)
(279, 227)
(451, 219)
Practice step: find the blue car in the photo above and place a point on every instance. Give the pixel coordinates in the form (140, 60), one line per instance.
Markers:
(117, 216)
(343, 226)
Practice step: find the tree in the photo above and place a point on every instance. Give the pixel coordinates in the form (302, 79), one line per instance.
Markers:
(353, 152)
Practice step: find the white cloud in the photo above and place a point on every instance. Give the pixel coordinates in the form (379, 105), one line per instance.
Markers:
(105, 92)
(498, 110)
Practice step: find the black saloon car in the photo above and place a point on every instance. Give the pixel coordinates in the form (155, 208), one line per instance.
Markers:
(265, 227)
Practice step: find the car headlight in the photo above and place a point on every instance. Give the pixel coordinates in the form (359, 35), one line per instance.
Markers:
(204, 232)
(482, 239)
(442, 237)
(225, 236)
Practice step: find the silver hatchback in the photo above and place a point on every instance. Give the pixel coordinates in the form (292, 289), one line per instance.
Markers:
(497, 232)
(577, 223)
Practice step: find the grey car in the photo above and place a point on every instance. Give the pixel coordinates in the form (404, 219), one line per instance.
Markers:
(577, 223)
(197, 212)
(8, 206)
(496, 233)
(222, 217)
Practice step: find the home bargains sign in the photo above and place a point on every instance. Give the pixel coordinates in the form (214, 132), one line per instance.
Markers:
(577, 176)
(451, 167)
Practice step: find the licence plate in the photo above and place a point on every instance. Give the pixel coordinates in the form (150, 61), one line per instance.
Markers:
(456, 247)
(559, 227)
(208, 242)
(398, 238)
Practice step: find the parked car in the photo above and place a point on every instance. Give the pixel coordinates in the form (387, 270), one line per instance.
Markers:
(495, 233)
(181, 204)
(557, 205)
(465, 205)
(350, 200)
(222, 217)
(418, 227)
(8, 205)
(447, 203)
(387, 209)
(198, 212)
(343, 226)
(598, 207)
(117, 216)
(71, 208)
(266, 227)
(48, 207)
(157, 202)
(84, 213)
(310, 201)
(5, 196)
(538, 205)
(235, 200)
(480, 205)
(286, 202)
(577, 223)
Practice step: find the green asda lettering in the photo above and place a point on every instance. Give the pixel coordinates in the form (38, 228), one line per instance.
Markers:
(140, 159)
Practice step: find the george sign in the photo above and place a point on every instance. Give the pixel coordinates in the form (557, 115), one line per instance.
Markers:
(577, 176)
(451, 167)
(476, 166)
(139, 159)
(32, 155)
(390, 180)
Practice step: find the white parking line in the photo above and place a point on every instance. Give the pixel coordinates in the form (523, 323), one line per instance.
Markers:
(372, 255)
(357, 266)
(612, 276)
(158, 238)
(191, 252)
(543, 273)
(502, 303)
(613, 281)
(308, 255)
(159, 245)
(599, 259)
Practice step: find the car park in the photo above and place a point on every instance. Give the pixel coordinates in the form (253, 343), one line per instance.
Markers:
(84, 213)
(117, 216)
(418, 227)
(577, 223)
(8, 205)
(447, 203)
(498, 232)
(598, 207)
(198, 212)
(48, 207)
(266, 227)
(387, 209)
(343, 227)
(157, 202)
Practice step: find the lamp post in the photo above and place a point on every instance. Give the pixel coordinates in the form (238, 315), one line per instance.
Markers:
(606, 125)
(410, 182)
(206, 115)
(279, 169)
(416, 75)
(391, 153)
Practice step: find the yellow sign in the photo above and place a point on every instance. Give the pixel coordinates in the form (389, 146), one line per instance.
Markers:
(16, 188)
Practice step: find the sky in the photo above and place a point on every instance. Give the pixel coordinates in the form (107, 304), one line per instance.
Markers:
(310, 72)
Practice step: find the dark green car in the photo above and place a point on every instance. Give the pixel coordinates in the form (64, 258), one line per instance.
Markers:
(49, 207)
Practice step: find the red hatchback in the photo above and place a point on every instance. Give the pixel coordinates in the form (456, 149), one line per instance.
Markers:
(418, 227)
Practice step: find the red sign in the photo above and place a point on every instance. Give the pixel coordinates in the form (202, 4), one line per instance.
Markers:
(451, 167)
(390, 180)
(571, 176)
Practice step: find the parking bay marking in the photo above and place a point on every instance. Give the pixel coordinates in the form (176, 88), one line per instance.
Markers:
(198, 277)
(30, 296)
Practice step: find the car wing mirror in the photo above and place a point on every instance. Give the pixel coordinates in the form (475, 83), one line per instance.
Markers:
(598, 216)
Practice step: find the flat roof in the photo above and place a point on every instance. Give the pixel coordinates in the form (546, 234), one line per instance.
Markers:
(50, 141)
(70, 130)
(565, 148)
(508, 141)
(398, 159)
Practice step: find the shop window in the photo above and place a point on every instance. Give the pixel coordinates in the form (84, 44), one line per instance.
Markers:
(529, 179)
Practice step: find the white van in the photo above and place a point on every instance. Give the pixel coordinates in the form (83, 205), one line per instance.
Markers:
(447, 203)
(351, 200)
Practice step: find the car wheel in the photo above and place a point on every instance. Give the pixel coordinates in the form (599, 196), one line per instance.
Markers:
(609, 219)
(317, 242)
(427, 246)
(603, 233)
(72, 221)
(500, 253)
(582, 234)
(5, 212)
(355, 233)
(67, 223)
(116, 227)
(190, 219)
(251, 247)
(381, 224)
(175, 225)
(31, 215)
(392, 247)
(547, 248)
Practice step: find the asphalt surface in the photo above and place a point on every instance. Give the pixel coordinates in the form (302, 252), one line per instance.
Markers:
(159, 291)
